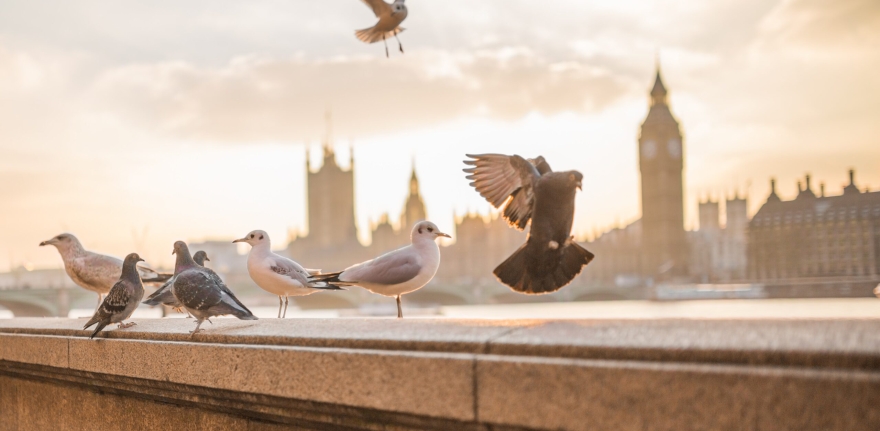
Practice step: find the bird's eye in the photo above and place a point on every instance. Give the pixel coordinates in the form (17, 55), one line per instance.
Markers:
(420, 230)
(252, 236)
(261, 236)
(430, 229)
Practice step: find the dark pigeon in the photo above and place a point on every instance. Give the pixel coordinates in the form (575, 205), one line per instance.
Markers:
(201, 291)
(122, 299)
(530, 191)
(165, 296)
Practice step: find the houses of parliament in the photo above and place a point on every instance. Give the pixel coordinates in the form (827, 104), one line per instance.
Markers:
(811, 236)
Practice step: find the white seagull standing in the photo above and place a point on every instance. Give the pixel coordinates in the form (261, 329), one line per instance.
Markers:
(390, 16)
(399, 272)
(277, 274)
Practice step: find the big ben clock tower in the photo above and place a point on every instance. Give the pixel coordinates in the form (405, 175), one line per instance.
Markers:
(661, 162)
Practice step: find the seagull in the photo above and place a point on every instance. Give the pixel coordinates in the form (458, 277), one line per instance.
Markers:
(93, 271)
(399, 272)
(123, 298)
(165, 296)
(201, 291)
(277, 274)
(530, 190)
(390, 16)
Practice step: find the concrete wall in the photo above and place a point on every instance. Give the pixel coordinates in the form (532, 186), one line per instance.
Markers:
(443, 374)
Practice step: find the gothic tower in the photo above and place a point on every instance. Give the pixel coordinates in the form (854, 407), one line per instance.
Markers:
(331, 200)
(414, 210)
(661, 164)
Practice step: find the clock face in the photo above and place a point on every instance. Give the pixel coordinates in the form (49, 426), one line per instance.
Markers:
(649, 149)
(674, 147)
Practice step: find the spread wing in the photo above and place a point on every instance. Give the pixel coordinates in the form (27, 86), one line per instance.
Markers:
(391, 268)
(507, 179)
(379, 7)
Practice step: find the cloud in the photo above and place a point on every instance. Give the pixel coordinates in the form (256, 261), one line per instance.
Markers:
(266, 99)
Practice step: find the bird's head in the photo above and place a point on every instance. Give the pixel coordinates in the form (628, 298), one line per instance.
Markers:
(576, 179)
(427, 230)
(132, 259)
(201, 257)
(62, 241)
(398, 6)
(255, 237)
(180, 247)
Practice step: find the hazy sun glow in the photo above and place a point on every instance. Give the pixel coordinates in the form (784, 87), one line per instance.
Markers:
(135, 124)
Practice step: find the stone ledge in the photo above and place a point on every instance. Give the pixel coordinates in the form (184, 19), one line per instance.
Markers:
(474, 374)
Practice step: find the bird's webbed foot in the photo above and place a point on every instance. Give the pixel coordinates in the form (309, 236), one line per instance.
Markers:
(123, 325)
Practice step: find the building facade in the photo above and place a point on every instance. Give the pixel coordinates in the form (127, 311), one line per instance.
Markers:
(816, 236)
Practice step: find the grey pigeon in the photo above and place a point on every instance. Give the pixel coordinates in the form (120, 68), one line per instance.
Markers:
(277, 274)
(123, 298)
(550, 258)
(93, 271)
(401, 271)
(165, 296)
(201, 291)
(390, 16)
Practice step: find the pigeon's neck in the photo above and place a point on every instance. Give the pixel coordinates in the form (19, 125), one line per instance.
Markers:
(184, 261)
(130, 272)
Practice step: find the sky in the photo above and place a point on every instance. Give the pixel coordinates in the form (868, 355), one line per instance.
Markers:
(134, 124)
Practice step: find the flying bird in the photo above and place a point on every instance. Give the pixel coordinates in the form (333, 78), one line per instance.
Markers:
(530, 191)
(399, 272)
(201, 291)
(390, 16)
(165, 296)
(277, 274)
(93, 271)
(123, 298)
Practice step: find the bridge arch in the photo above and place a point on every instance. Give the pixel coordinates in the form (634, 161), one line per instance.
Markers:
(30, 308)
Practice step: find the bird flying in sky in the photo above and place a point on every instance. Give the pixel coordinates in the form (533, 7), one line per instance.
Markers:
(531, 191)
(390, 16)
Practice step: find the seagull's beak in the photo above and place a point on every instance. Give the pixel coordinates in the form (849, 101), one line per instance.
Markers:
(443, 234)
(239, 240)
(45, 243)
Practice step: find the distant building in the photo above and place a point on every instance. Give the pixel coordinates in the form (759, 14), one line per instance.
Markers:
(661, 162)
(718, 254)
(816, 236)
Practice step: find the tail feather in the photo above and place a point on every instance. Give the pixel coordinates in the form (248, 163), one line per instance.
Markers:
(527, 272)
(330, 281)
(101, 325)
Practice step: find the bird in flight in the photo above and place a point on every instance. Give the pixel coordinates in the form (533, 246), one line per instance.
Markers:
(530, 191)
(277, 274)
(390, 16)
(401, 271)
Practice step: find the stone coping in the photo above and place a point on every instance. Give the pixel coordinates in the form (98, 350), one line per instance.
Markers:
(485, 374)
(848, 343)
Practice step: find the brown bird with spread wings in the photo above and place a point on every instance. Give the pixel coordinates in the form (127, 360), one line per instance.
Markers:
(531, 191)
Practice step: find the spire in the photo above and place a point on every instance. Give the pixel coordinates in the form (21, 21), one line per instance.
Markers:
(328, 136)
(658, 92)
(807, 192)
(851, 188)
(773, 196)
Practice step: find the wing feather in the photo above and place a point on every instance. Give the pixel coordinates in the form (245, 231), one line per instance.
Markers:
(379, 7)
(508, 181)
(389, 269)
